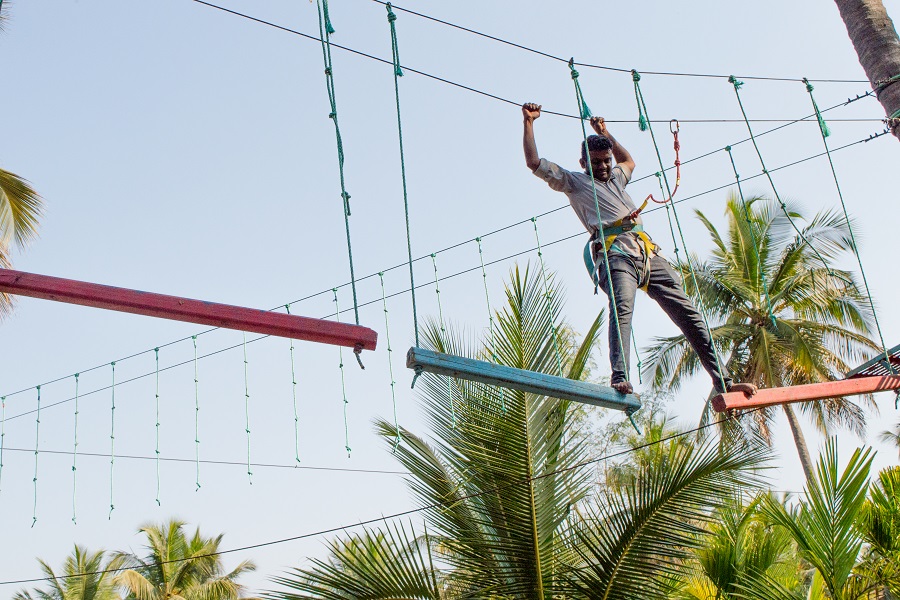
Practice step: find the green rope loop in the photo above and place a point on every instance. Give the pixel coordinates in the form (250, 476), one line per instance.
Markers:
(156, 354)
(761, 272)
(75, 452)
(548, 297)
(112, 441)
(487, 299)
(700, 304)
(37, 440)
(196, 417)
(642, 115)
(287, 307)
(387, 335)
(325, 31)
(398, 72)
(247, 406)
(823, 126)
(437, 292)
(582, 105)
(337, 310)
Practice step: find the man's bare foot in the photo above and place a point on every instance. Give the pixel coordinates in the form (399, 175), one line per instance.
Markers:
(747, 388)
(623, 387)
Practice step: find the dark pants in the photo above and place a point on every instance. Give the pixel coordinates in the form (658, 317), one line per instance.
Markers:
(665, 288)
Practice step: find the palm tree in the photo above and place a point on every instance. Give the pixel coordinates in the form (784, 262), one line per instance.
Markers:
(83, 578)
(505, 489)
(891, 437)
(878, 48)
(178, 567)
(879, 526)
(817, 325)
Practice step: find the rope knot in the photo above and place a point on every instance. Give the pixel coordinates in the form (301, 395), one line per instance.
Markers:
(635, 76)
(332, 115)
(728, 149)
(391, 16)
(328, 71)
(734, 81)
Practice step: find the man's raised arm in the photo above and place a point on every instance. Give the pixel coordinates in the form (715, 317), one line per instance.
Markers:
(622, 156)
(530, 112)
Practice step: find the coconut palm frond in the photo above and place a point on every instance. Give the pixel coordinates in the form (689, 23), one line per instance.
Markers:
(20, 210)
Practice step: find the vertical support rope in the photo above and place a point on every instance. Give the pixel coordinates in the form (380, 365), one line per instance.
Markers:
(761, 272)
(287, 307)
(737, 85)
(437, 291)
(636, 77)
(487, 299)
(247, 406)
(156, 354)
(548, 297)
(75, 452)
(337, 310)
(2, 437)
(823, 129)
(398, 73)
(196, 417)
(387, 335)
(112, 441)
(586, 114)
(37, 440)
(325, 31)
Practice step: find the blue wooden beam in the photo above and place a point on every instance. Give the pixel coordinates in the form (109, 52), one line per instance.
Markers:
(429, 361)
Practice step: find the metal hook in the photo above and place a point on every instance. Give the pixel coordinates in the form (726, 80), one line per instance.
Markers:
(674, 126)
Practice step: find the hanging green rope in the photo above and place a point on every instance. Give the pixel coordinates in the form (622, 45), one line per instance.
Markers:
(75, 452)
(548, 297)
(602, 237)
(437, 291)
(287, 307)
(37, 440)
(156, 353)
(337, 311)
(642, 105)
(824, 131)
(487, 299)
(760, 268)
(737, 85)
(325, 31)
(398, 72)
(112, 440)
(246, 407)
(197, 415)
(387, 335)
(2, 436)
(643, 123)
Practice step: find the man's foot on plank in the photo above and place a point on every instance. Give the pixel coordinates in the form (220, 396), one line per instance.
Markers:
(747, 388)
(623, 387)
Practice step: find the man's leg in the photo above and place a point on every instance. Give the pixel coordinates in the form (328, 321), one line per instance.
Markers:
(624, 276)
(665, 288)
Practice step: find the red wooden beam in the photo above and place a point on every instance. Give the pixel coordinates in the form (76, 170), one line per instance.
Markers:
(800, 393)
(185, 309)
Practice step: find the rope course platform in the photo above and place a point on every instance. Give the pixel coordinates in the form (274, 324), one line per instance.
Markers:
(185, 309)
(429, 361)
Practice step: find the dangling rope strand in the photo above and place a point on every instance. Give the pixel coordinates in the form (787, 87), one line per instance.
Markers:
(700, 304)
(197, 415)
(398, 72)
(37, 439)
(487, 299)
(337, 310)
(287, 307)
(156, 355)
(112, 440)
(2, 437)
(325, 31)
(387, 335)
(247, 407)
(548, 297)
(75, 453)
(437, 292)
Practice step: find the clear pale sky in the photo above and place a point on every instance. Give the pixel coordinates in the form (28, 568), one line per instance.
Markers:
(187, 151)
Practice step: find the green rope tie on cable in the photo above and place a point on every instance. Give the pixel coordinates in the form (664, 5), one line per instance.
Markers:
(37, 440)
(487, 299)
(548, 297)
(337, 311)
(75, 453)
(112, 441)
(734, 81)
(395, 50)
(387, 335)
(823, 126)
(759, 266)
(197, 417)
(437, 292)
(642, 117)
(583, 107)
(328, 26)
(247, 407)
(287, 307)
(156, 355)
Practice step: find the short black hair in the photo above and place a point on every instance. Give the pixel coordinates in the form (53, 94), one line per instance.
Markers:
(594, 143)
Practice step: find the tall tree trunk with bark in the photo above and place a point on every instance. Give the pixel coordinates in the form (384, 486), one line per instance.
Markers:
(799, 441)
(878, 48)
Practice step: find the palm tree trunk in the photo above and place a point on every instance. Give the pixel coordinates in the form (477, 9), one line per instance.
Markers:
(878, 48)
(799, 441)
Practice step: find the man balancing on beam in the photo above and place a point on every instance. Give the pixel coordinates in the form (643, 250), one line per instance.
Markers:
(634, 260)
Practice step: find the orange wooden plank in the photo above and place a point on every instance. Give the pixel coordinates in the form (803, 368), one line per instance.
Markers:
(800, 393)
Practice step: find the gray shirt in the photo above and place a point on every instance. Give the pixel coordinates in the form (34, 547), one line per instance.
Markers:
(614, 201)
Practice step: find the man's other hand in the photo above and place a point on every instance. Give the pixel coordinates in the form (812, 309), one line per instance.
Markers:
(599, 126)
(531, 111)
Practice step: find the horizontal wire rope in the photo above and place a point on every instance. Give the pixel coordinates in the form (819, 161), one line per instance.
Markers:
(419, 286)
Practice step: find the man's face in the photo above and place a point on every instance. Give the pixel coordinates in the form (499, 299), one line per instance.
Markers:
(601, 164)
